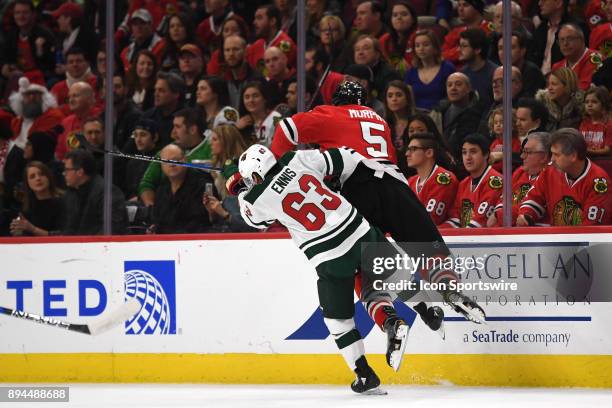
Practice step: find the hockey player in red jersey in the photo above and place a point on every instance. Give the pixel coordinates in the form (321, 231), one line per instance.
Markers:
(573, 191)
(384, 201)
(536, 156)
(435, 186)
(479, 193)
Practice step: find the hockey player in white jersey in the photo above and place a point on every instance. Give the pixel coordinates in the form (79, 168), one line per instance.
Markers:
(329, 231)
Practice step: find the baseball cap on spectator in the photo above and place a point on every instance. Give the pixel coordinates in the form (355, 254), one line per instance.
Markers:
(148, 125)
(142, 14)
(191, 49)
(72, 10)
(360, 71)
(477, 4)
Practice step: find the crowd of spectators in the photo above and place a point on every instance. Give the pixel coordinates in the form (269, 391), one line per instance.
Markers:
(200, 81)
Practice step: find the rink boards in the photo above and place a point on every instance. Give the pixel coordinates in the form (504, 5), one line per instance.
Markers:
(244, 310)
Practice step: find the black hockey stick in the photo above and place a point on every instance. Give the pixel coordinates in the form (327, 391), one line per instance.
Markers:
(88, 146)
(105, 323)
(327, 69)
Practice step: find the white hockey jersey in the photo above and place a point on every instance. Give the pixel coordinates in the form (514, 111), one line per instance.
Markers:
(323, 224)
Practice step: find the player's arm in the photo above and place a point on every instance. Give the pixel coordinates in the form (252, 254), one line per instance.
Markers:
(251, 215)
(286, 137)
(597, 203)
(453, 220)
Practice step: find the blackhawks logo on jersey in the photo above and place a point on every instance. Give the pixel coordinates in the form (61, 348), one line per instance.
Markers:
(443, 178)
(600, 185)
(284, 46)
(596, 60)
(567, 212)
(495, 182)
(230, 115)
(467, 208)
(520, 193)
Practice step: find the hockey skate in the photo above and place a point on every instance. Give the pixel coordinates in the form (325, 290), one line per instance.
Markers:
(465, 306)
(367, 382)
(397, 338)
(433, 317)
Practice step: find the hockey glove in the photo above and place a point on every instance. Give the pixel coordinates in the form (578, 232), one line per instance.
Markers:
(234, 181)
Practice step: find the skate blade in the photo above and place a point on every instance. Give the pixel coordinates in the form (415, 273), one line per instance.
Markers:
(398, 355)
(441, 332)
(474, 315)
(374, 391)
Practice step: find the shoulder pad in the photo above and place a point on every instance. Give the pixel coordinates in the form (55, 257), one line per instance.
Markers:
(443, 178)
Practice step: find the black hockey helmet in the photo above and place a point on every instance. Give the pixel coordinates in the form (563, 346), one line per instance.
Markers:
(349, 93)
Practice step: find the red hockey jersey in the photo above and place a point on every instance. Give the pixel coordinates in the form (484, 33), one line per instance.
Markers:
(521, 184)
(437, 192)
(473, 206)
(584, 68)
(255, 52)
(354, 126)
(450, 48)
(586, 201)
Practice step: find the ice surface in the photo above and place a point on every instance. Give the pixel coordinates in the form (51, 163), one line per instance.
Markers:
(316, 396)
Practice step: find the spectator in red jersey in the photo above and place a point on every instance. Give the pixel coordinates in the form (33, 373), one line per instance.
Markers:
(73, 33)
(234, 25)
(140, 80)
(209, 31)
(572, 192)
(496, 128)
(471, 14)
(479, 193)
(82, 101)
(28, 47)
(583, 61)
(596, 127)
(535, 154)
(36, 111)
(180, 32)
(143, 37)
(267, 30)
(434, 185)
(563, 99)
(600, 39)
(398, 44)
(77, 70)
(369, 19)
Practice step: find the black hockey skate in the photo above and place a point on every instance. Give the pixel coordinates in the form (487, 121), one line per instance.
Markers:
(367, 382)
(397, 338)
(433, 317)
(465, 306)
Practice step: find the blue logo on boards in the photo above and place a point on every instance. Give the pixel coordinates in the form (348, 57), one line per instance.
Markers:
(315, 329)
(153, 284)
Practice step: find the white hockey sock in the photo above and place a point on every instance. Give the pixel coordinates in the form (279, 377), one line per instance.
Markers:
(347, 339)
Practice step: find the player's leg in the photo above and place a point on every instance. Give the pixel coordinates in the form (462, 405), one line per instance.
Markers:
(335, 291)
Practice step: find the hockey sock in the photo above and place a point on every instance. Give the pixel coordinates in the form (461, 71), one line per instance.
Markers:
(347, 339)
(379, 311)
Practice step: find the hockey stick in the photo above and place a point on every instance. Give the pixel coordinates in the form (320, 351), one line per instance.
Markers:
(105, 323)
(88, 146)
(327, 70)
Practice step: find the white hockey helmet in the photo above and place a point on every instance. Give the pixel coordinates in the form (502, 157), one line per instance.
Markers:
(256, 160)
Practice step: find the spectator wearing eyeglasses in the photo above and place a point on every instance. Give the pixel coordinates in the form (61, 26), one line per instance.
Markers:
(434, 185)
(535, 154)
(580, 59)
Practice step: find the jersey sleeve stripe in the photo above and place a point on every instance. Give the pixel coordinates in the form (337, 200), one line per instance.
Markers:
(290, 130)
(334, 242)
(337, 162)
(327, 163)
(539, 210)
(315, 240)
